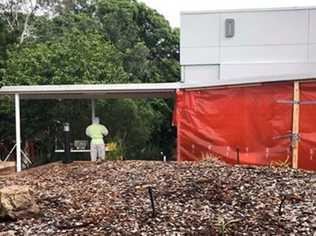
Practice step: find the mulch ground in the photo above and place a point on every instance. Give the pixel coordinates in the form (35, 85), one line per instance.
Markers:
(205, 198)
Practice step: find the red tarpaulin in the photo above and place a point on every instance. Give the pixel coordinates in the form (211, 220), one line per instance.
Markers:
(307, 145)
(254, 121)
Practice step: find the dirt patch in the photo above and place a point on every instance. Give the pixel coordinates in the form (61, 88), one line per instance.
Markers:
(7, 167)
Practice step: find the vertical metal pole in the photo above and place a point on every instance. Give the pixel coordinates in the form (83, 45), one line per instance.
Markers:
(18, 133)
(92, 109)
(67, 157)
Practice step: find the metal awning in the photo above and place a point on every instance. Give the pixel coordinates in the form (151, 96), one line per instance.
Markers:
(82, 91)
(140, 90)
(92, 91)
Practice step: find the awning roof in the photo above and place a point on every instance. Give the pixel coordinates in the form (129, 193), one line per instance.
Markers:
(140, 90)
(88, 91)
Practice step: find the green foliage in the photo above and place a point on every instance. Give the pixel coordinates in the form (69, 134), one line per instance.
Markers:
(133, 121)
(90, 42)
(117, 21)
(7, 119)
(2, 48)
(74, 58)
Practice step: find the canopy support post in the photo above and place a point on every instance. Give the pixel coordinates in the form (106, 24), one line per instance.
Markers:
(295, 124)
(18, 132)
(92, 110)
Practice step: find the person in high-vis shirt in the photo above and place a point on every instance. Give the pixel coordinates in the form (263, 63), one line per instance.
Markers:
(96, 132)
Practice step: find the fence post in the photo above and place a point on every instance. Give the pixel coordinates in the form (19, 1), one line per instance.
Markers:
(295, 124)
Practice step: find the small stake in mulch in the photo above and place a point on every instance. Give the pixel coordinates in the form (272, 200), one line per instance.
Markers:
(238, 153)
(151, 196)
(281, 204)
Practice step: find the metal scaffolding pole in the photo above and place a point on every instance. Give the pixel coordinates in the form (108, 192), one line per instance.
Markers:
(92, 110)
(18, 133)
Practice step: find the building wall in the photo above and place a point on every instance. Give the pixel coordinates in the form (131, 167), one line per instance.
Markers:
(267, 45)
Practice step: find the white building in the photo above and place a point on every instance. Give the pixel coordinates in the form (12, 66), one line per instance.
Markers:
(242, 46)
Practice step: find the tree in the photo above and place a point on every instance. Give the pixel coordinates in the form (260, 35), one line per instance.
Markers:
(3, 45)
(72, 59)
(151, 54)
(105, 41)
(18, 14)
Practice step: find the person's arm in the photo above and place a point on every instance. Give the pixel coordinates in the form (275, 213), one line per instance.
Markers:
(105, 131)
(88, 132)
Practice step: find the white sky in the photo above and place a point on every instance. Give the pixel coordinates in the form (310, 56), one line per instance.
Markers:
(171, 8)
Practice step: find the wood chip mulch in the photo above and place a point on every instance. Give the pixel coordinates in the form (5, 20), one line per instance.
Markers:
(202, 198)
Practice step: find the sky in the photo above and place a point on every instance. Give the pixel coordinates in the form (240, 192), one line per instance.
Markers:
(171, 8)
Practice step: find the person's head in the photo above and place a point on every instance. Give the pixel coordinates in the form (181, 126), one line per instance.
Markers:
(96, 120)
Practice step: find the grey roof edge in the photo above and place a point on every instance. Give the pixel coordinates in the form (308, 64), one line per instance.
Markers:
(237, 10)
(251, 81)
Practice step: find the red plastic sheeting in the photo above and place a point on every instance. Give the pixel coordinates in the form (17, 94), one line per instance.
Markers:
(255, 120)
(307, 145)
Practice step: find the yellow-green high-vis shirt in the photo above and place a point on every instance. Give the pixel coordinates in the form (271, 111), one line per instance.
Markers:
(96, 133)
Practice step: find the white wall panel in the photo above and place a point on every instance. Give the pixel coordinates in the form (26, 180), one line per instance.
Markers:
(200, 30)
(312, 53)
(312, 26)
(261, 28)
(199, 56)
(268, 53)
(263, 72)
(201, 74)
